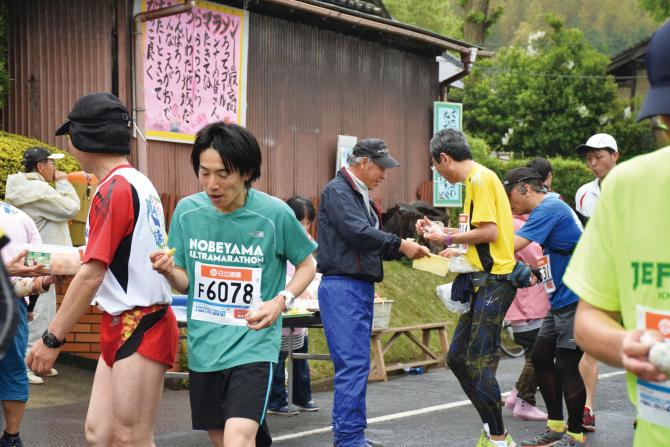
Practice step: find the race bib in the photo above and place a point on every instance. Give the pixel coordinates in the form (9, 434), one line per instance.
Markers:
(224, 295)
(544, 266)
(653, 398)
(463, 226)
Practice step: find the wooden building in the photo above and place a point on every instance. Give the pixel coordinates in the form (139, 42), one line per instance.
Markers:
(314, 70)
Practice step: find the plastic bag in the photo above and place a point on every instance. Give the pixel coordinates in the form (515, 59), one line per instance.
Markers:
(444, 293)
(459, 264)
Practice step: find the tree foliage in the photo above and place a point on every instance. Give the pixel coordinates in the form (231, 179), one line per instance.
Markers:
(435, 15)
(659, 9)
(545, 99)
(479, 17)
(609, 26)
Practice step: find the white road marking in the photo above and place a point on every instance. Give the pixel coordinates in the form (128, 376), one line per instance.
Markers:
(406, 414)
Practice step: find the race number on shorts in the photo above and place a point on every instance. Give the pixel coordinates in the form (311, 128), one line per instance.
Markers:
(544, 266)
(653, 398)
(224, 295)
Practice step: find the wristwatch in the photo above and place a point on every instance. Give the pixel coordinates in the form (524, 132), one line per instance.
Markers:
(290, 298)
(50, 340)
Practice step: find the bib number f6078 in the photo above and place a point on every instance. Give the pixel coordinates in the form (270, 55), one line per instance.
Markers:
(224, 295)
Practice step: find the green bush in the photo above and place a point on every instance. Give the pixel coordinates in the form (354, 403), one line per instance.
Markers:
(12, 147)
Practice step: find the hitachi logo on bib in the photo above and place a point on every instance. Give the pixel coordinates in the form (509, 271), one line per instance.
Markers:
(225, 248)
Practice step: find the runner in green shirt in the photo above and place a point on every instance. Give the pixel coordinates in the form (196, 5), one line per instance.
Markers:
(621, 266)
(231, 243)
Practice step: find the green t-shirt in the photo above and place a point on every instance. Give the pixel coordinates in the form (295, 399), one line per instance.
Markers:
(622, 264)
(233, 260)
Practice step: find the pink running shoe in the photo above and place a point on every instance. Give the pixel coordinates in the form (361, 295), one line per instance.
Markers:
(524, 410)
(510, 402)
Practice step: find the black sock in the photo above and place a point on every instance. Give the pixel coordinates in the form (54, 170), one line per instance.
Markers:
(10, 435)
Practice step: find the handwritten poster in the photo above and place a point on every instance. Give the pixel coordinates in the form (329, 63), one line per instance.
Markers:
(447, 115)
(194, 69)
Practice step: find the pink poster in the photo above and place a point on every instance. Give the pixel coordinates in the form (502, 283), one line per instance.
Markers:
(194, 69)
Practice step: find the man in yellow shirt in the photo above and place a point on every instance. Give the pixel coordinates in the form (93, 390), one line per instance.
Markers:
(621, 266)
(487, 230)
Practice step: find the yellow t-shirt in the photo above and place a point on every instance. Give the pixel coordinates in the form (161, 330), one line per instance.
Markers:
(622, 264)
(486, 201)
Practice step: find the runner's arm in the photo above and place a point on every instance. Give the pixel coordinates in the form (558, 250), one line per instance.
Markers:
(520, 243)
(485, 233)
(76, 302)
(599, 333)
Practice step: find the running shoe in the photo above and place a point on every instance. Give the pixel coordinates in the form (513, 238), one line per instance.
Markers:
(284, 411)
(34, 379)
(508, 439)
(10, 441)
(589, 420)
(569, 441)
(524, 410)
(510, 402)
(481, 442)
(308, 406)
(371, 443)
(548, 438)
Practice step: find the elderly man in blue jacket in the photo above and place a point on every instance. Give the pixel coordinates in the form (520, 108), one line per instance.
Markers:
(351, 249)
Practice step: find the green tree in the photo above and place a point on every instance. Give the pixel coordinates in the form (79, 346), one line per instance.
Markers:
(434, 15)
(479, 17)
(659, 9)
(609, 25)
(545, 99)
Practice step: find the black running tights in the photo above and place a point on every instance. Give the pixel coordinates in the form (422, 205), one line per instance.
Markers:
(558, 376)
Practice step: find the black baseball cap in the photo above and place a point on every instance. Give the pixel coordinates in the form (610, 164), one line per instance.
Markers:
(34, 155)
(377, 151)
(519, 175)
(98, 122)
(657, 101)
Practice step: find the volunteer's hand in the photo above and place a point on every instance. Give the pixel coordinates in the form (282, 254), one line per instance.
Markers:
(635, 358)
(41, 359)
(421, 225)
(413, 250)
(436, 236)
(31, 316)
(60, 175)
(267, 314)
(162, 261)
(15, 266)
(449, 253)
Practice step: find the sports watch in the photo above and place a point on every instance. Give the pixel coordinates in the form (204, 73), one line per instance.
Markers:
(290, 298)
(51, 341)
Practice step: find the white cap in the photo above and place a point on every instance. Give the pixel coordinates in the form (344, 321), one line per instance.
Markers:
(598, 141)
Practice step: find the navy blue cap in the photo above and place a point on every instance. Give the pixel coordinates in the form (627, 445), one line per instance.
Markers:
(657, 101)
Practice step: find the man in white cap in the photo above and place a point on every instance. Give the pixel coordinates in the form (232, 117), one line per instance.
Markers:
(50, 207)
(621, 266)
(601, 153)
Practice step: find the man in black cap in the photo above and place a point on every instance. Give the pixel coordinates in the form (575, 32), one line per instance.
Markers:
(138, 331)
(50, 207)
(555, 226)
(351, 249)
(621, 267)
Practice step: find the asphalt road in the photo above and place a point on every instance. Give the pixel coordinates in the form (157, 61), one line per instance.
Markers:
(427, 410)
